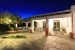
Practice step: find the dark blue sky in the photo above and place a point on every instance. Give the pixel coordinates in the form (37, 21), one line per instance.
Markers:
(28, 8)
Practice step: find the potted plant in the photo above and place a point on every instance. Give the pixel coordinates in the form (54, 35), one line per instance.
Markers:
(11, 29)
(30, 29)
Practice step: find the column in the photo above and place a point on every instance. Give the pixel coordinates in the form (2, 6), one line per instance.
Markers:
(47, 26)
(32, 26)
(73, 18)
(26, 24)
(16, 25)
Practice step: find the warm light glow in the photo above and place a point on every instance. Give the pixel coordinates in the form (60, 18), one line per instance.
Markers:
(64, 22)
(9, 20)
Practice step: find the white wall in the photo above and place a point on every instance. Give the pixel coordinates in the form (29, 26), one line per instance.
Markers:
(32, 25)
(73, 18)
(64, 22)
(40, 23)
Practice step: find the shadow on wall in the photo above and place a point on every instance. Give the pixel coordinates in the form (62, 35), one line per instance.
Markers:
(34, 45)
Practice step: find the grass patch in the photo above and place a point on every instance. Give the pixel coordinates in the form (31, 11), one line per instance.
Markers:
(12, 36)
(1, 37)
(17, 36)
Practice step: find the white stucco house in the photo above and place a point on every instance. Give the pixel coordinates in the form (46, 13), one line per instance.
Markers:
(61, 19)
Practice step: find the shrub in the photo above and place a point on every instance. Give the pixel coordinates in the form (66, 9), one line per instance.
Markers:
(4, 27)
(17, 36)
(20, 36)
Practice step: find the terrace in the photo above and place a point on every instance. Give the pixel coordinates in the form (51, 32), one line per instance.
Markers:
(37, 41)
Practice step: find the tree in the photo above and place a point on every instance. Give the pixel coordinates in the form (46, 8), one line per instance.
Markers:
(2, 18)
(16, 19)
(8, 18)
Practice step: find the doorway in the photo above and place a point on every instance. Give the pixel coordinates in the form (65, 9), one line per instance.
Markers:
(56, 25)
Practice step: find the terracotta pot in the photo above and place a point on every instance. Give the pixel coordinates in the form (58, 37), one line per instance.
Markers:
(71, 35)
(12, 30)
(46, 31)
(31, 31)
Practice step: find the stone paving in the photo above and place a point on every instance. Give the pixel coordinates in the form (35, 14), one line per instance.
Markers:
(59, 43)
(38, 41)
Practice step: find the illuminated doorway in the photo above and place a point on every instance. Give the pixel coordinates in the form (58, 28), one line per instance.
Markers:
(56, 25)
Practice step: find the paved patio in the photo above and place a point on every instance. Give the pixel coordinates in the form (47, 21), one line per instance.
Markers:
(38, 41)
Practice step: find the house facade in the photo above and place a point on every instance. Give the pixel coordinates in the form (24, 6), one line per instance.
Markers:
(56, 21)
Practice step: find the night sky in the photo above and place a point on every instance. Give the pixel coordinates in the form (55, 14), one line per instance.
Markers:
(28, 8)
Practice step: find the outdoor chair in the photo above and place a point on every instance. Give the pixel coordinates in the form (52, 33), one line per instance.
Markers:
(61, 32)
